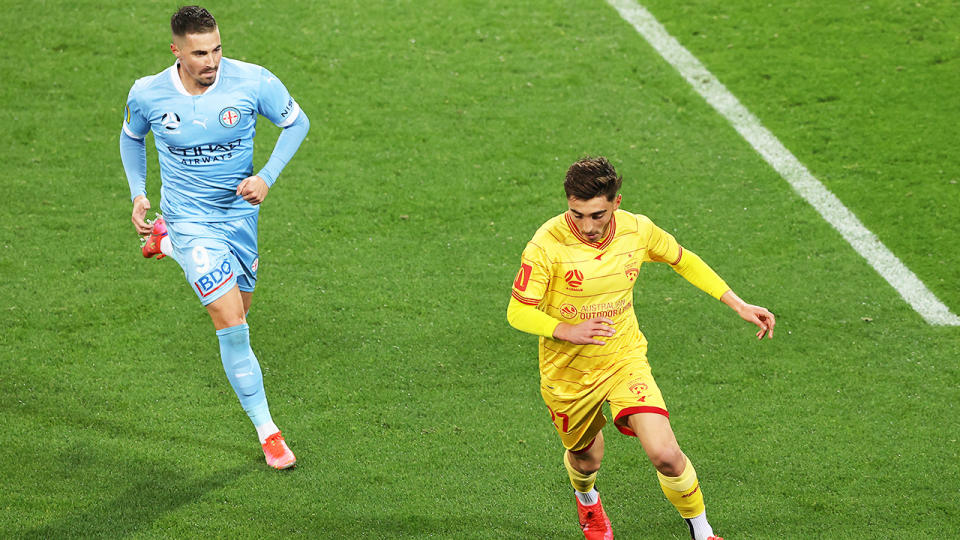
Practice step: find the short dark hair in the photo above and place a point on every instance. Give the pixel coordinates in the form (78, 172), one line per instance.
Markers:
(192, 20)
(591, 177)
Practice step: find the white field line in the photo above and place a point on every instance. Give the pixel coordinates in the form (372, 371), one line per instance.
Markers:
(826, 203)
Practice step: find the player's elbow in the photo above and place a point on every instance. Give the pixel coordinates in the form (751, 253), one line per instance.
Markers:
(303, 122)
(306, 121)
(299, 127)
(513, 313)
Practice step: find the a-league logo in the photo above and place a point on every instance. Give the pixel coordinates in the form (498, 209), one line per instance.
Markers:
(170, 120)
(574, 279)
(214, 279)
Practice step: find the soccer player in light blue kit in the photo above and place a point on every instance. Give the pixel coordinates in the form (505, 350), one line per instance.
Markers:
(203, 114)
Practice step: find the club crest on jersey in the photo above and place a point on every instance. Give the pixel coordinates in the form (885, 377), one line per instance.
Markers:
(229, 117)
(170, 120)
(639, 388)
(574, 279)
(631, 269)
(208, 283)
(568, 311)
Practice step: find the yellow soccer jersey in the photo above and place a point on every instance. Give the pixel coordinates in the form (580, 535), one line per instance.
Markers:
(572, 280)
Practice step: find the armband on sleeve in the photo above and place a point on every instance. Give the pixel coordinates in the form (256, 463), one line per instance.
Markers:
(529, 319)
(694, 270)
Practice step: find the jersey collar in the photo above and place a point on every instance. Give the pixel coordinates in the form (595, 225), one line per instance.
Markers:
(178, 84)
(583, 239)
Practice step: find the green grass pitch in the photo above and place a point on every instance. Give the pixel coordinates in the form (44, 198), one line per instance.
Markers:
(440, 135)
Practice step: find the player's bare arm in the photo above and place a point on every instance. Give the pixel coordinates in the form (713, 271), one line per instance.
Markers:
(586, 332)
(757, 315)
(140, 206)
(253, 189)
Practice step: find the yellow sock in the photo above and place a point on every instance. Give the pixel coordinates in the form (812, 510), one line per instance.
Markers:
(581, 482)
(683, 491)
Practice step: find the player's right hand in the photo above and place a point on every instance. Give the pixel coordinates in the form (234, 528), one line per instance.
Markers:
(586, 332)
(139, 215)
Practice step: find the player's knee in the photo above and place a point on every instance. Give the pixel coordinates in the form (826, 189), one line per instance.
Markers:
(668, 459)
(585, 463)
(227, 322)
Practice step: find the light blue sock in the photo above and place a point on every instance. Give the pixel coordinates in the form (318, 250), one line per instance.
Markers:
(243, 370)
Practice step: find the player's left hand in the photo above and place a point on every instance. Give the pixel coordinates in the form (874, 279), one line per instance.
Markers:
(253, 189)
(759, 316)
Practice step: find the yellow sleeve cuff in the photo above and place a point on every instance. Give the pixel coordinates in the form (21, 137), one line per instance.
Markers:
(694, 270)
(529, 319)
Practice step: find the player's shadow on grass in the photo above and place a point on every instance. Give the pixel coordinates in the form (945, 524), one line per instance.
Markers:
(130, 430)
(156, 493)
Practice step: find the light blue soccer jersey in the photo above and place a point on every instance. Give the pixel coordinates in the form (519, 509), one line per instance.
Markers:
(205, 142)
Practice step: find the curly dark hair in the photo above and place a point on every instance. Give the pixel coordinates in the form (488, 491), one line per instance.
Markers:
(591, 177)
(192, 20)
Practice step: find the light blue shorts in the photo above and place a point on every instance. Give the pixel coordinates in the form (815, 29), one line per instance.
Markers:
(216, 256)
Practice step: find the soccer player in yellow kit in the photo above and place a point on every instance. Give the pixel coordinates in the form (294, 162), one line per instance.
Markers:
(575, 290)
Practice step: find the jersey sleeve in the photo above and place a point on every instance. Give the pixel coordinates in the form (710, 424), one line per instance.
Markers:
(135, 123)
(133, 155)
(529, 288)
(697, 272)
(661, 245)
(531, 320)
(533, 279)
(275, 102)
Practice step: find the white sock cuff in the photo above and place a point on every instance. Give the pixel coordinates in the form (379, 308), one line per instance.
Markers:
(166, 246)
(589, 498)
(266, 430)
(699, 526)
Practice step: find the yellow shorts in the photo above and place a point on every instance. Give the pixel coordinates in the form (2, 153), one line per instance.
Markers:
(629, 388)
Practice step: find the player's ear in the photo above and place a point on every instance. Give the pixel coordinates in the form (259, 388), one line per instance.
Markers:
(616, 203)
